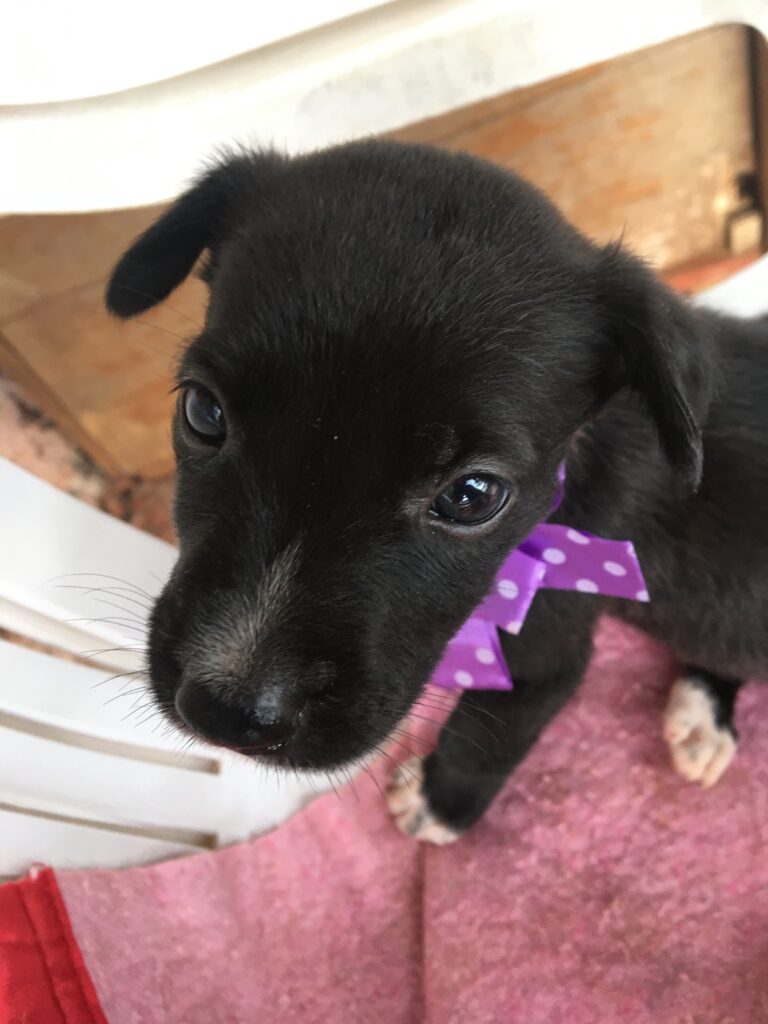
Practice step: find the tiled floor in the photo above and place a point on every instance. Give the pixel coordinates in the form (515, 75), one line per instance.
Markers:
(33, 442)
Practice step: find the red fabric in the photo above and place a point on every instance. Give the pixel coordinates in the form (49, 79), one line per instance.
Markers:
(43, 979)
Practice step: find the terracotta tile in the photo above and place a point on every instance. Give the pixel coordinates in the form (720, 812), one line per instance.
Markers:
(110, 380)
(44, 256)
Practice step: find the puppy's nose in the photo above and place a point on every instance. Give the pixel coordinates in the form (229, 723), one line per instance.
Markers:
(268, 719)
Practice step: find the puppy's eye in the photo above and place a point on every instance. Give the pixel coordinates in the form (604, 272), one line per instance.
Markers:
(204, 414)
(471, 500)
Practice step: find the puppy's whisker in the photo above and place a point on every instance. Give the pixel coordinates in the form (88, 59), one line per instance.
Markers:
(138, 675)
(451, 732)
(110, 620)
(122, 648)
(126, 693)
(400, 743)
(408, 739)
(128, 612)
(370, 772)
(397, 731)
(170, 353)
(451, 703)
(122, 592)
(394, 764)
(159, 724)
(184, 339)
(104, 576)
(347, 773)
(118, 675)
(122, 692)
(466, 713)
(125, 595)
(184, 746)
(157, 299)
(148, 714)
(132, 711)
(144, 698)
(333, 785)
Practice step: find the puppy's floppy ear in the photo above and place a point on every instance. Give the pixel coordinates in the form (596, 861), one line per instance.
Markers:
(160, 259)
(660, 350)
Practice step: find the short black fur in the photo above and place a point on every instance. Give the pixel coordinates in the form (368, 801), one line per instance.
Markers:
(383, 317)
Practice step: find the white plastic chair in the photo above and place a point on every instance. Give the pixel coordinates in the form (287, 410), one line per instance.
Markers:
(88, 773)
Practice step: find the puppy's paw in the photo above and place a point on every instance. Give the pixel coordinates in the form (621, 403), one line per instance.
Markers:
(701, 749)
(409, 807)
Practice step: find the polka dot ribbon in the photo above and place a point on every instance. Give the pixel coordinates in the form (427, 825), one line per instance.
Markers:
(553, 556)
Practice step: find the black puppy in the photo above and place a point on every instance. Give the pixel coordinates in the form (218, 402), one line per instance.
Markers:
(400, 348)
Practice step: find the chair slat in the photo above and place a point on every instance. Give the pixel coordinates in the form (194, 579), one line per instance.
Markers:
(71, 696)
(91, 784)
(26, 837)
(60, 559)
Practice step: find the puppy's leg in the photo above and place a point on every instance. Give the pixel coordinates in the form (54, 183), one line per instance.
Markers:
(698, 725)
(490, 732)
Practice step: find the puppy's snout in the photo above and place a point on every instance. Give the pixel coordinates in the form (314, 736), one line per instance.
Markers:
(252, 722)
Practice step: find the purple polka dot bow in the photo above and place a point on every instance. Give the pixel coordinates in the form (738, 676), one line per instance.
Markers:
(553, 556)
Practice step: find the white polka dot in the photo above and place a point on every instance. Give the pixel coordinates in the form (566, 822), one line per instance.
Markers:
(485, 655)
(643, 595)
(554, 556)
(508, 589)
(463, 678)
(514, 626)
(587, 586)
(614, 568)
(576, 537)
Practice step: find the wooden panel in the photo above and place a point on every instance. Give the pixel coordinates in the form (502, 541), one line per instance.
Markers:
(106, 382)
(50, 255)
(650, 145)
(759, 82)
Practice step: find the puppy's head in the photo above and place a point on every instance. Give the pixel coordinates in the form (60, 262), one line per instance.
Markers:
(398, 347)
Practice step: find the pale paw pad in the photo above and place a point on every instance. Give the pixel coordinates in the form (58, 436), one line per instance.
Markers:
(409, 808)
(701, 750)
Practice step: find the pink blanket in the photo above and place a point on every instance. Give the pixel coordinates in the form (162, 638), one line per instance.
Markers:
(600, 889)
